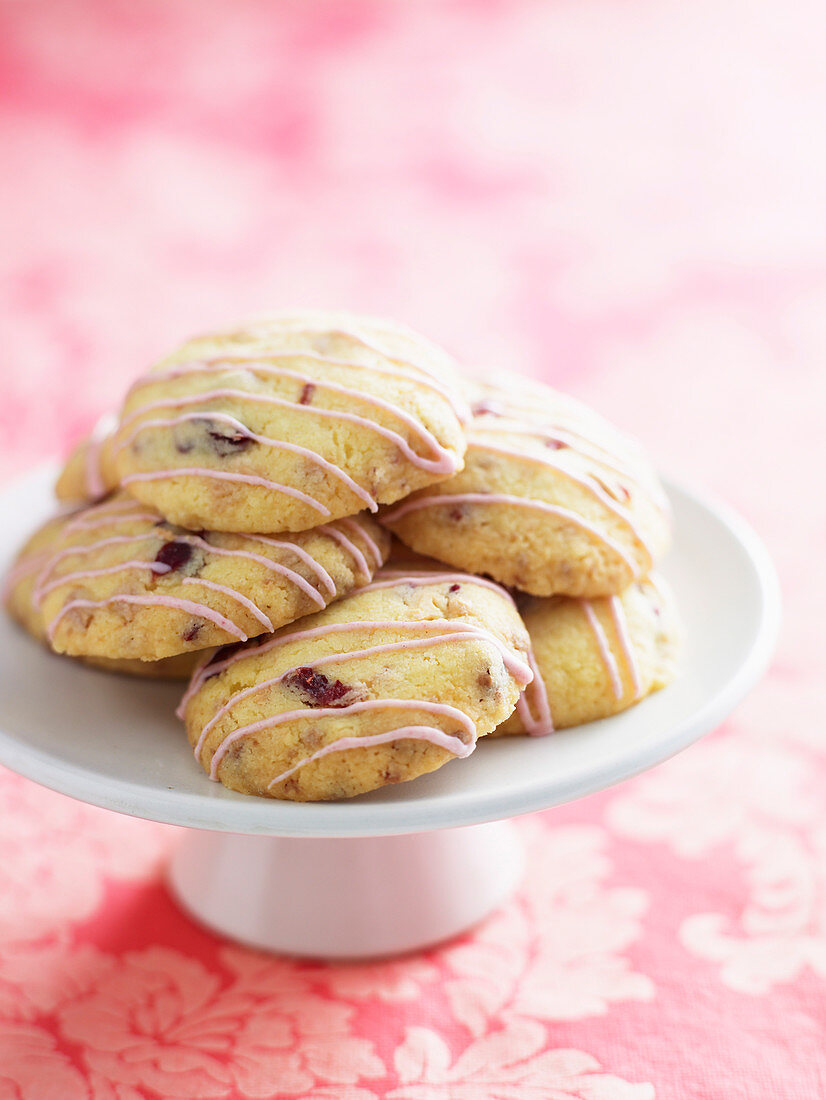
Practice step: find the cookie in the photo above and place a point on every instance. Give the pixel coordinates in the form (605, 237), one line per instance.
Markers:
(383, 686)
(17, 596)
(596, 657)
(88, 474)
(290, 423)
(552, 499)
(117, 581)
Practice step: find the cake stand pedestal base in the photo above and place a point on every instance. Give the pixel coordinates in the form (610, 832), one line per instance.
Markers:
(343, 898)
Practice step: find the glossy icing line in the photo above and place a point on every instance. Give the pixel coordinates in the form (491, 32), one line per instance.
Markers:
(621, 627)
(202, 544)
(452, 633)
(92, 469)
(29, 563)
(540, 723)
(355, 528)
(79, 518)
(537, 726)
(459, 406)
(84, 574)
(608, 659)
(239, 597)
(448, 631)
(196, 609)
(443, 500)
(255, 361)
(633, 466)
(117, 518)
(420, 733)
(358, 557)
(224, 475)
(263, 440)
(442, 709)
(445, 461)
(586, 482)
(308, 559)
(42, 587)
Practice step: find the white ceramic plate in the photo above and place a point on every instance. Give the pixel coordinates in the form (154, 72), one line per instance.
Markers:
(115, 742)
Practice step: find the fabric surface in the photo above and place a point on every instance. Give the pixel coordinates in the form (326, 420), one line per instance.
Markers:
(623, 199)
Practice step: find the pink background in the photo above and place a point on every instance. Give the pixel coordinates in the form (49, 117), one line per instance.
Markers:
(626, 199)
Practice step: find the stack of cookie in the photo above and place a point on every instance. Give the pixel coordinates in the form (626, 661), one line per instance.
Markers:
(233, 525)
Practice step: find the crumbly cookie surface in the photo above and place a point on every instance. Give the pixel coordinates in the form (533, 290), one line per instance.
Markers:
(88, 474)
(117, 581)
(552, 499)
(18, 592)
(290, 422)
(596, 657)
(385, 685)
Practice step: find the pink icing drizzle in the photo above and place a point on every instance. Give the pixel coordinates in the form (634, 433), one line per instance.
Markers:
(354, 528)
(325, 712)
(104, 521)
(93, 475)
(234, 594)
(445, 461)
(455, 632)
(588, 483)
(264, 441)
(278, 329)
(255, 363)
(541, 723)
(30, 563)
(443, 500)
(223, 475)
(537, 726)
(108, 510)
(301, 553)
(420, 733)
(359, 558)
(577, 441)
(450, 631)
(196, 609)
(193, 540)
(621, 627)
(84, 574)
(605, 652)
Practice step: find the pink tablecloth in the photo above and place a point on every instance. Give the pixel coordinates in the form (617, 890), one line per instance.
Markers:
(624, 199)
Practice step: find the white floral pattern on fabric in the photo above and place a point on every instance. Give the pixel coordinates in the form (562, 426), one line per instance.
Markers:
(513, 1064)
(555, 953)
(33, 1068)
(764, 803)
(161, 1021)
(57, 854)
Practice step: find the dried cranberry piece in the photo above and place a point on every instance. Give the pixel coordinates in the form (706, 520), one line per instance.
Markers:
(485, 408)
(227, 441)
(554, 444)
(307, 394)
(454, 588)
(316, 688)
(174, 554)
(193, 632)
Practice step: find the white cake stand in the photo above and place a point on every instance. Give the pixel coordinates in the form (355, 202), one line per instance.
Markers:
(402, 867)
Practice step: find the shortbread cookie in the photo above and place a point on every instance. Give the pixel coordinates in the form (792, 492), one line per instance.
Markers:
(88, 474)
(596, 657)
(117, 581)
(391, 682)
(17, 595)
(290, 423)
(552, 499)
